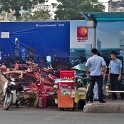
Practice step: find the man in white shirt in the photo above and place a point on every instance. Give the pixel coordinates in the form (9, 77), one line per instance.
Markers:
(115, 70)
(96, 74)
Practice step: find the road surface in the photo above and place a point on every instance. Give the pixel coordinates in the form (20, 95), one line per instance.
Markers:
(54, 116)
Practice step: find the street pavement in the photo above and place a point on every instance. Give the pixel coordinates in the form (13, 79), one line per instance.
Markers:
(55, 116)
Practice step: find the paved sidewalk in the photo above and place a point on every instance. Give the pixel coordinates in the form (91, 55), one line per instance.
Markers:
(111, 106)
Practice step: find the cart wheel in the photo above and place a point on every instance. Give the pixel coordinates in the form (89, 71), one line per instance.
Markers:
(73, 109)
(62, 109)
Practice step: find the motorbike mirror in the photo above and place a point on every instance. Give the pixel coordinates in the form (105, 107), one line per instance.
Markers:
(55, 86)
(12, 79)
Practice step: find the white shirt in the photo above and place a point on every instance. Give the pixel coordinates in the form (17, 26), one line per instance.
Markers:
(115, 66)
(95, 63)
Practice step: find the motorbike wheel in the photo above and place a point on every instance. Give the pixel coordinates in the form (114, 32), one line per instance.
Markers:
(7, 101)
(62, 109)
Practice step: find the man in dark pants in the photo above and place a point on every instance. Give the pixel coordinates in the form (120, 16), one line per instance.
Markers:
(95, 63)
(115, 70)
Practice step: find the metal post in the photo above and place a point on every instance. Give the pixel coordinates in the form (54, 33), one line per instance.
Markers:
(94, 42)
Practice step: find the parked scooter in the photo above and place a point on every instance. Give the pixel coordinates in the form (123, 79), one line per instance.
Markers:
(12, 94)
(81, 91)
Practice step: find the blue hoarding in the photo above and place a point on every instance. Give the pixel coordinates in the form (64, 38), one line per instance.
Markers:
(34, 39)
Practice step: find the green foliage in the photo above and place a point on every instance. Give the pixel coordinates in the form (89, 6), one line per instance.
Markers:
(36, 16)
(69, 9)
(16, 5)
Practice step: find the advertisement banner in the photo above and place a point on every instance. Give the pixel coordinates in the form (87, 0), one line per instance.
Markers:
(58, 42)
(82, 33)
(20, 41)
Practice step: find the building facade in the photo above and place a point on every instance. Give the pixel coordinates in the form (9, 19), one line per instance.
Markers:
(115, 6)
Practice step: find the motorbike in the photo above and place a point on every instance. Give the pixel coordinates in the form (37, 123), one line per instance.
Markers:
(81, 87)
(16, 93)
(12, 92)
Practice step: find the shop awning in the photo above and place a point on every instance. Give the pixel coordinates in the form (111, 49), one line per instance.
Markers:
(104, 16)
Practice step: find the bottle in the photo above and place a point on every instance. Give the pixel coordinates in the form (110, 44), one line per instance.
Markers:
(66, 78)
(70, 79)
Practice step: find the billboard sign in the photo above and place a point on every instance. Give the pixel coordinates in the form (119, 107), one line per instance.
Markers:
(82, 33)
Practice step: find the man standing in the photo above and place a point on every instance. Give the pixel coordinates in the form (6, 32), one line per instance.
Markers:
(96, 74)
(115, 70)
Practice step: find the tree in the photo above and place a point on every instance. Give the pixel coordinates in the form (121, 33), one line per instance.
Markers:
(69, 9)
(36, 16)
(15, 5)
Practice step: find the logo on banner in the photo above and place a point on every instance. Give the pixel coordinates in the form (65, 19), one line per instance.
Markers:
(82, 34)
(5, 35)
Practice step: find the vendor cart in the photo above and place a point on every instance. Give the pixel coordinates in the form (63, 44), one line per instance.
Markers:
(66, 90)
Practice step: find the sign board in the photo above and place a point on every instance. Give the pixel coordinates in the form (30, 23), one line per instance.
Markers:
(82, 33)
(4, 34)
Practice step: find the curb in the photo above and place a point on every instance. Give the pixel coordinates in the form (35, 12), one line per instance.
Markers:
(104, 107)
